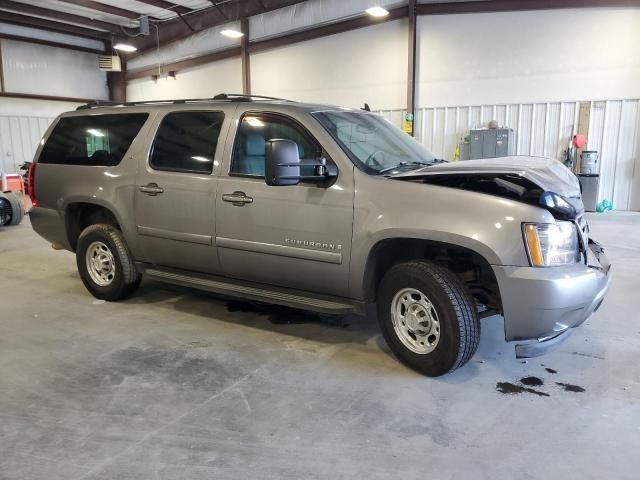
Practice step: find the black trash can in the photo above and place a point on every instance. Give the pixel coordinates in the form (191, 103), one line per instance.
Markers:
(589, 184)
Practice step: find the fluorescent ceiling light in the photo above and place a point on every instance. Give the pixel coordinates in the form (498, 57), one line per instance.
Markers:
(125, 47)
(231, 33)
(377, 11)
(95, 133)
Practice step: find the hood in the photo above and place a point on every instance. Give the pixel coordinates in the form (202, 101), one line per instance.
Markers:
(520, 178)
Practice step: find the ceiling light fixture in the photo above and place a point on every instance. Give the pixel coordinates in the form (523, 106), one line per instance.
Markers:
(231, 33)
(125, 47)
(377, 11)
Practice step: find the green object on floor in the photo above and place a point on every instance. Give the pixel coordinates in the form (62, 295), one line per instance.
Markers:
(604, 206)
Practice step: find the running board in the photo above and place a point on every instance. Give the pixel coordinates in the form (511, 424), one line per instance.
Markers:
(254, 291)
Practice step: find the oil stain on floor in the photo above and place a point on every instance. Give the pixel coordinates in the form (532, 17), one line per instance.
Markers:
(525, 383)
(532, 381)
(570, 388)
(512, 389)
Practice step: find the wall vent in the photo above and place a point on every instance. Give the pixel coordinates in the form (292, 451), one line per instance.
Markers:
(109, 63)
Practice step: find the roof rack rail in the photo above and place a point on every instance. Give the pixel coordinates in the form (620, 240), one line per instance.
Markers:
(240, 97)
(228, 97)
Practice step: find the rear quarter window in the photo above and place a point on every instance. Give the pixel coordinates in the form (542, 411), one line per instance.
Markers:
(95, 140)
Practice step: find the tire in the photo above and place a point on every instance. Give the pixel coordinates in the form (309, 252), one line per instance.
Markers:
(17, 209)
(117, 278)
(439, 330)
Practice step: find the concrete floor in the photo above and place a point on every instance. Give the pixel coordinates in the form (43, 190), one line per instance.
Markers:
(179, 384)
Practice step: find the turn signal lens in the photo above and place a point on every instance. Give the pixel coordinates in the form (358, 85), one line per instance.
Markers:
(535, 252)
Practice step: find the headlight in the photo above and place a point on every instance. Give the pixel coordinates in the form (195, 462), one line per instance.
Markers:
(550, 244)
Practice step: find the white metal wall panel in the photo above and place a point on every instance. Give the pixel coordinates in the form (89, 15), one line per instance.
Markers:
(198, 82)
(351, 68)
(39, 69)
(545, 129)
(525, 56)
(28, 107)
(19, 138)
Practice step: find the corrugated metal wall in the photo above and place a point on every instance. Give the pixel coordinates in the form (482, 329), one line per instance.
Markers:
(545, 129)
(19, 138)
(541, 129)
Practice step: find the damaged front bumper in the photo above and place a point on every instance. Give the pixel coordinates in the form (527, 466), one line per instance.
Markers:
(542, 305)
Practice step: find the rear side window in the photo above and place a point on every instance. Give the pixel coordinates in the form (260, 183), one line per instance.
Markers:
(186, 142)
(96, 140)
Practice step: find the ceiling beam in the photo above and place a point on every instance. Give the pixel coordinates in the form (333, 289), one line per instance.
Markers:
(49, 43)
(480, 6)
(260, 45)
(167, 6)
(104, 8)
(174, 30)
(35, 96)
(58, 27)
(56, 15)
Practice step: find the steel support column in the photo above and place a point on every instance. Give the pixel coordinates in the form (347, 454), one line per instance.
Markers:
(246, 61)
(411, 72)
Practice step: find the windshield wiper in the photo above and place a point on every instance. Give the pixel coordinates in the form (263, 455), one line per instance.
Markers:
(415, 163)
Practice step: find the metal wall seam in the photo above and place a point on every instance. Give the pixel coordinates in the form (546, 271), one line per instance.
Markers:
(19, 138)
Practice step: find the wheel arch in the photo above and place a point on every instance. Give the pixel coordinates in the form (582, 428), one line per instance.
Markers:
(80, 214)
(472, 266)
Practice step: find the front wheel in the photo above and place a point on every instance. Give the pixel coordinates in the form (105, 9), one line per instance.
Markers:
(428, 317)
(105, 264)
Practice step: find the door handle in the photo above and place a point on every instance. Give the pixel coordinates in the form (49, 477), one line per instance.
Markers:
(237, 198)
(151, 189)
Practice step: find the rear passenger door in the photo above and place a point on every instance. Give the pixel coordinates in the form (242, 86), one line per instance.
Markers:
(176, 188)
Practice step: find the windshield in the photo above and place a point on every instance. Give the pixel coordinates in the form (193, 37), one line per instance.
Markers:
(373, 144)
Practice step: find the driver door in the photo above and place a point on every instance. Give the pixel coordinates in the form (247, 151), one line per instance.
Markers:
(296, 236)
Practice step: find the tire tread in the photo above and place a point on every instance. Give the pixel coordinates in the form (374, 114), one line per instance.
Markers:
(131, 277)
(461, 300)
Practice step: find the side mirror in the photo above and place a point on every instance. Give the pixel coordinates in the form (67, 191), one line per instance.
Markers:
(282, 162)
(283, 165)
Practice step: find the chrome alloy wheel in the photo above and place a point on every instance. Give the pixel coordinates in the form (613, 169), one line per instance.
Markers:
(100, 264)
(415, 321)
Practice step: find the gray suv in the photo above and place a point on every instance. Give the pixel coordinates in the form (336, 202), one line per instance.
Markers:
(321, 208)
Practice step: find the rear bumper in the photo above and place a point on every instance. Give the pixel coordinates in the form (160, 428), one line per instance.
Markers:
(49, 224)
(542, 305)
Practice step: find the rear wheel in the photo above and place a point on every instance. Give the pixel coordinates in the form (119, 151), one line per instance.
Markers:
(428, 317)
(105, 264)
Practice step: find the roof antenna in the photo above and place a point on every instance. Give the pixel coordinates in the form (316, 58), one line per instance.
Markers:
(366, 107)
